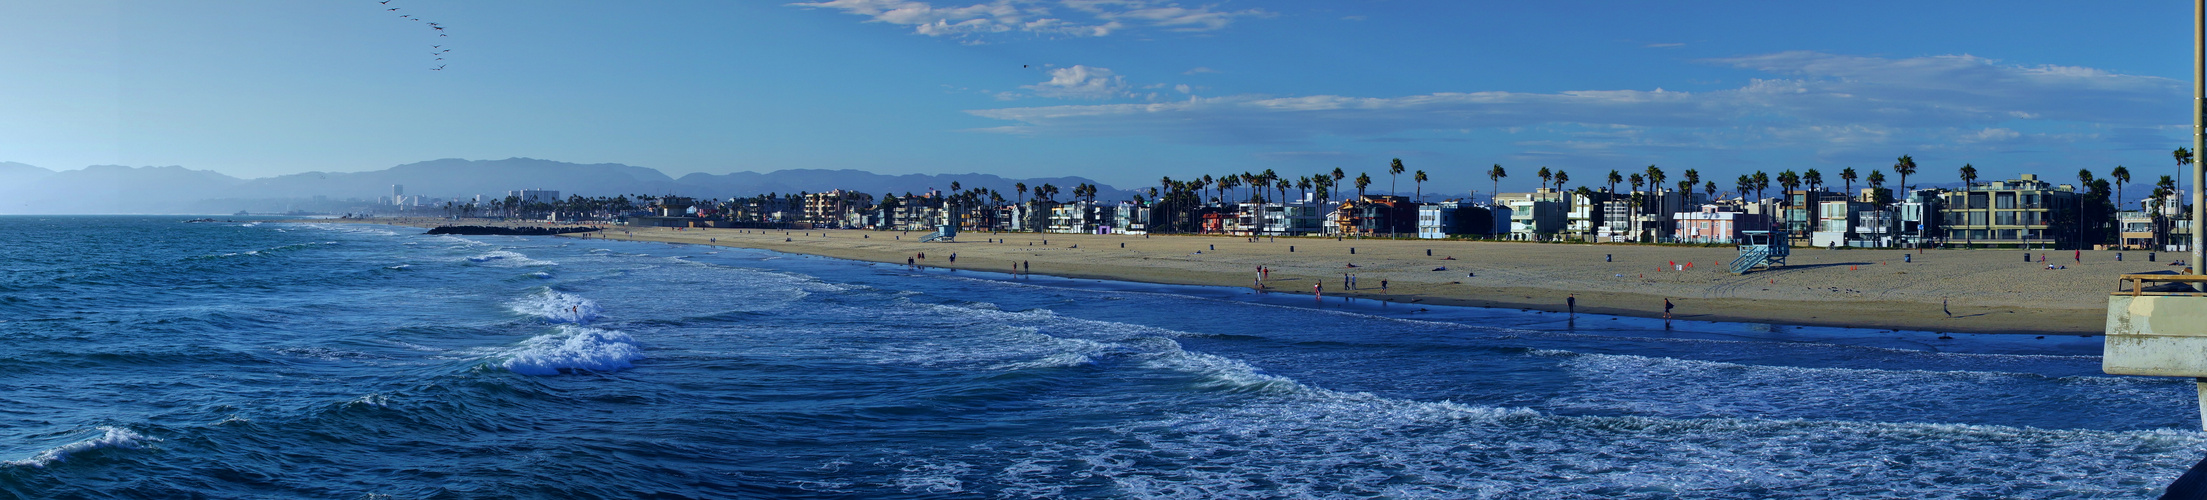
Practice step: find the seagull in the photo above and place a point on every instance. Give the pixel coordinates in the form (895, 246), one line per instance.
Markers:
(393, 9)
(439, 67)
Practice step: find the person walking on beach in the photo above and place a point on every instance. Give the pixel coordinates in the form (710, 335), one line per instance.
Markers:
(910, 264)
(1571, 304)
(1383, 285)
(1666, 308)
(1942, 307)
(1318, 289)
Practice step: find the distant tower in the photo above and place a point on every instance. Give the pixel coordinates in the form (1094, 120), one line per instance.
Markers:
(398, 194)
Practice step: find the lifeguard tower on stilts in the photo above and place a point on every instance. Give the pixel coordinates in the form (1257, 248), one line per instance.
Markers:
(1761, 249)
(946, 233)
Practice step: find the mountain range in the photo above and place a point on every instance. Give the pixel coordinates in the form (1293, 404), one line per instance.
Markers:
(114, 189)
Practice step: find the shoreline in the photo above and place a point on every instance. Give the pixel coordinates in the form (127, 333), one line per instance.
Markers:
(1854, 288)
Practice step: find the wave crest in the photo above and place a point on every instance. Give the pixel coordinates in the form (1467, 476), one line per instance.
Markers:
(574, 348)
(110, 437)
(557, 307)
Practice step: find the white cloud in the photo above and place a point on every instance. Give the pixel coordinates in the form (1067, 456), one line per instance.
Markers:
(1091, 18)
(1080, 82)
(1199, 70)
(1823, 99)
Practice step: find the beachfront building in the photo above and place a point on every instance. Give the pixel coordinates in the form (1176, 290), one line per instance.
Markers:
(1534, 220)
(1584, 219)
(1438, 220)
(1377, 215)
(1716, 224)
(1919, 217)
(1802, 213)
(1836, 221)
(1079, 217)
(1131, 218)
(2024, 212)
(2137, 229)
(833, 208)
(1285, 219)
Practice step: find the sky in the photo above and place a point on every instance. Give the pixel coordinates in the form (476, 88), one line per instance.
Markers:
(1121, 91)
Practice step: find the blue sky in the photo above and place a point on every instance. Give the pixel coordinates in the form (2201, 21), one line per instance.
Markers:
(1122, 91)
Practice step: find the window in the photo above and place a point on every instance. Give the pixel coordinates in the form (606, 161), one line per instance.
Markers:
(2004, 217)
(1976, 218)
(1977, 200)
(2006, 234)
(2004, 200)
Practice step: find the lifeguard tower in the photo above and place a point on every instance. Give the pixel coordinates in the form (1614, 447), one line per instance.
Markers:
(944, 233)
(1763, 249)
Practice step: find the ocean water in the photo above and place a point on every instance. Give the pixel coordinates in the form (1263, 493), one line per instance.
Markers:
(141, 357)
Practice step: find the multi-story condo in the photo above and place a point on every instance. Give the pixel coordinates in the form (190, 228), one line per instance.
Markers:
(1131, 218)
(1836, 221)
(1536, 215)
(2016, 212)
(1802, 213)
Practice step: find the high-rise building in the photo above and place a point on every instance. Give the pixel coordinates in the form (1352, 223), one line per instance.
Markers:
(398, 194)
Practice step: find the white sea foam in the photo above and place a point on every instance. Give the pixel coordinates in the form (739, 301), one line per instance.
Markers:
(557, 307)
(509, 258)
(574, 348)
(110, 437)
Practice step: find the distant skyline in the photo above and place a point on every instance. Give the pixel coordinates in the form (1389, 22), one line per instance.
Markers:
(1121, 91)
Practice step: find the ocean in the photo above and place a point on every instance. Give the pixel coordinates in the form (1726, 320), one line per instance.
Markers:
(141, 357)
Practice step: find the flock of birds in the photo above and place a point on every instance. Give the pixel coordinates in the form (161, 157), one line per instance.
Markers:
(439, 50)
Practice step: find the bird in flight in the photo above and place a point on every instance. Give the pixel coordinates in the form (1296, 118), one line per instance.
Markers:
(439, 67)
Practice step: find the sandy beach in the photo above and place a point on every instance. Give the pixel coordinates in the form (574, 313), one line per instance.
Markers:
(1987, 291)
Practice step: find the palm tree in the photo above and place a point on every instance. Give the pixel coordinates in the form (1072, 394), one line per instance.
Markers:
(1420, 179)
(1362, 180)
(1496, 174)
(1813, 179)
(1904, 166)
(1877, 181)
(1560, 179)
(1021, 187)
(2183, 157)
(1693, 178)
(2084, 177)
(1632, 210)
(1711, 188)
(1337, 176)
(1848, 175)
(1762, 182)
(1655, 185)
(1394, 168)
(1789, 180)
(1303, 183)
(1746, 182)
(1545, 176)
(2121, 176)
(1614, 178)
(1969, 176)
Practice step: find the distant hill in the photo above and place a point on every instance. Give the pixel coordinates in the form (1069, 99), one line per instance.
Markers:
(172, 189)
